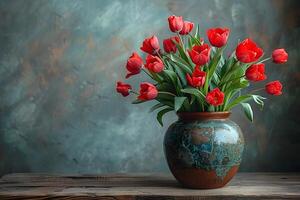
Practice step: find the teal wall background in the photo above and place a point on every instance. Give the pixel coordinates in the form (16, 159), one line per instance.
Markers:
(59, 61)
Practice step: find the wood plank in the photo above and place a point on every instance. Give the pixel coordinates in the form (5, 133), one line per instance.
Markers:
(145, 186)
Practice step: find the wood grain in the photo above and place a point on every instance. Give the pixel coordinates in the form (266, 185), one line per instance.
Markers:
(145, 187)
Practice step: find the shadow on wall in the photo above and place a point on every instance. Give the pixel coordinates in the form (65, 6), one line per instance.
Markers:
(60, 60)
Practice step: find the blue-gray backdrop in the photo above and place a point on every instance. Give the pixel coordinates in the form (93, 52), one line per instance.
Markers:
(59, 61)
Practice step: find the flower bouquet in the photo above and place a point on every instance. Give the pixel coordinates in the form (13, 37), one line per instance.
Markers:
(194, 78)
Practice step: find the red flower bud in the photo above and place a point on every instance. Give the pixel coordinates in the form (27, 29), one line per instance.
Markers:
(150, 45)
(175, 23)
(169, 45)
(218, 36)
(197, 79)
(256, 72)
(147, 91)
(154, 64)
(247, 51)
(215, 97)
(123, 88)
(134, 64)
(280, 56)
(274, 88)
(200, 54)
(186, 28)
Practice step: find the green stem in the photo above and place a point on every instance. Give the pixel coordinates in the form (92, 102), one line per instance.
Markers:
(182, 44)
(256, 90)
(264, 60)
(134, 92)
(157, 52)
(147, 73)
(169, 93)
(222, 83)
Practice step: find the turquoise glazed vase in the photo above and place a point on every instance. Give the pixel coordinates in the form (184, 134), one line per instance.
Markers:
(204, 149)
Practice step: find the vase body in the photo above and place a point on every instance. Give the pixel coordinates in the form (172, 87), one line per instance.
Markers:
(203, 150)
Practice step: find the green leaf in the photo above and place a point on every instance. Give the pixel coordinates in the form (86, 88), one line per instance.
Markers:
(228, 64)
(156, 106)
(171, 76)
(194, 40)
(166, 99)
(197, 33)
(193, 91)
(211, 69)
(165, 86)
(137, 101)
(259, 100)
(192, 99)
(248, 111)
(178, 102)
(181, 75)
(214, 63)
(164, 95)
(197, 93)
(238, 100)
(161, 113)
(166, 102)
(238, 84)
(182, 53)
(190, 44)
(181, 63)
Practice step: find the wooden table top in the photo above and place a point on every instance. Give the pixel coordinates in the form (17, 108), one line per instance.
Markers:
(145, 187)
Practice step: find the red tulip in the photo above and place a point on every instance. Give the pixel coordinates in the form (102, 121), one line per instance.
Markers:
(200, 54)
(123, 88)
(150, 45)
(175, 23)
(280, 56)
(256, 72)
(215, 97)
(186, 28)
(169, 45)
(147, 91)
(197, 79)
(247, 51)
(154, 64)
(274, 88)
(134, 64)
(218, 36)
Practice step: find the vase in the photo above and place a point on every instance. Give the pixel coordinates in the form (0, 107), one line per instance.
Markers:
(203, 149)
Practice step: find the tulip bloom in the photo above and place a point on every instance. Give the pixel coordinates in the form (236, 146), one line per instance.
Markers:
(154, 64)
(147, 91)
(200, 54)
(218, 36)
(150, 45)
(279, 56)
(197, 79)
(274, 88)
(123, 88)
(215, 97)
(247, 51)
(186, 28)
(169, 45)
(134, 64)
(175, 23)
(256, 72)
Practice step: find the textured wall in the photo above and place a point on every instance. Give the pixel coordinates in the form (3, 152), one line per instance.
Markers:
(59, 61)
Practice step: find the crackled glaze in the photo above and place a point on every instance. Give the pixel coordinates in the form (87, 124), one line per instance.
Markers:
(212, 145)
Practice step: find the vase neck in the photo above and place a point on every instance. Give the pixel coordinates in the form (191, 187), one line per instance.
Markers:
(199, 116)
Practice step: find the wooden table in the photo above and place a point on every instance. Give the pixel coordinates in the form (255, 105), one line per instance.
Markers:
(145, 187)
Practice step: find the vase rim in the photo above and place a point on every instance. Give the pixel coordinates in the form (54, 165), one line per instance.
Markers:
(191, 116)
